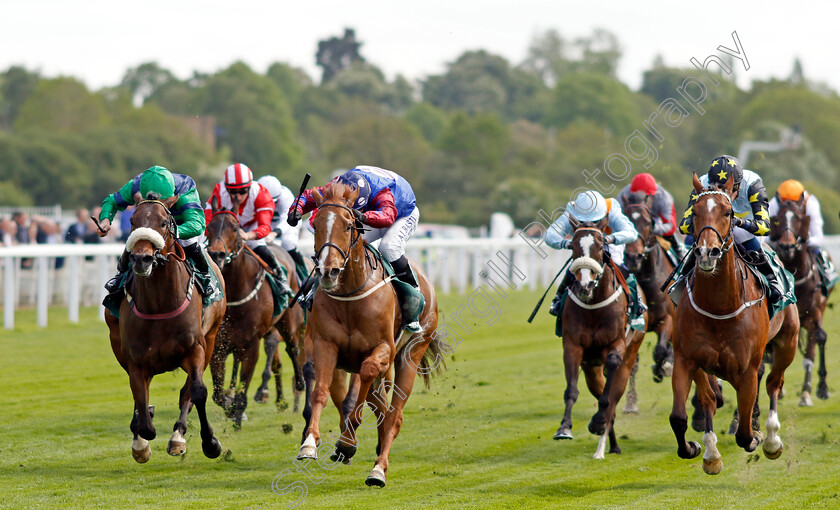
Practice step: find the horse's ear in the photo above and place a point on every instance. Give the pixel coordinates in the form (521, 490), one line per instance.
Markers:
(573, 222)
(171, 201)
(729, 184)
(137, 198)
(624, 201)
(696, 182)
(318, 197)
(649, 200)
(214, 204)
(801, 202)
(603, 223)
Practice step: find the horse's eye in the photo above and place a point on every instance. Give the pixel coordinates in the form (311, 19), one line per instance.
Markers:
(162, 224)
(729, 213)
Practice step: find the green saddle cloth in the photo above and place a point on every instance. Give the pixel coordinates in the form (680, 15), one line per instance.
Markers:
(635, 308)
(281, 298)
(783, 276)
(208, 285)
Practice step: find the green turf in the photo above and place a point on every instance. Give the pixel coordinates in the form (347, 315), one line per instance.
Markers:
(480, 438)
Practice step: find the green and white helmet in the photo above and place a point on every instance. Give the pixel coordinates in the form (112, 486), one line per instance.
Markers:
(159, 180)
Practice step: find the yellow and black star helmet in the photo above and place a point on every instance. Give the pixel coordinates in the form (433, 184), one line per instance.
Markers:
(722, 167)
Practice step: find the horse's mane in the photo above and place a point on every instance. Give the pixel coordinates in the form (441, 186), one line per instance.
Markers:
(340, 193)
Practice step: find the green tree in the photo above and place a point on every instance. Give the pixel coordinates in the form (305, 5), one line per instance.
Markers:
(62, 105)
(597, 98)
(335, 55)
(16, 85)
(145, 79)
(429, 120)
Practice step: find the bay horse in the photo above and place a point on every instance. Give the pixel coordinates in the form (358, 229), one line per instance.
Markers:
(353, 325)
(162, 327)
(789, 235)
(249, 315)
(647, 259)
(722, 328)
(596, 334)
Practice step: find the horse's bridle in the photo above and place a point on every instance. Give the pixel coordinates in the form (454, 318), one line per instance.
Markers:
(597, 277)
(649, 243)
(230, 256)
(723, 239)
(799, 240)
(356, 227)
(171, 234)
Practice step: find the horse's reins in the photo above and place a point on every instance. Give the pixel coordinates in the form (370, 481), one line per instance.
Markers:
(723, 240)
(609, 300)
(649, 243)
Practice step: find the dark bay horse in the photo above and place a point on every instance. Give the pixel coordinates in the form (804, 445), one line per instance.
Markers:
(354, 324)
(596, 335)
(249, 316)
(161, 327)
(789, 234)
(722, 328)
(647, 259)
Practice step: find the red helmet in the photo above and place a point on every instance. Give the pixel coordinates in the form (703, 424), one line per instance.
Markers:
(238, 176)
(645, 183)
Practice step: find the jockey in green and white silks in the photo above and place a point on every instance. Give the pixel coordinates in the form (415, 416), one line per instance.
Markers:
(160, 183)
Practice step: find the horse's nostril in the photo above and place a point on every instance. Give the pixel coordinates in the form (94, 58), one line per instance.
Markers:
(334, 272)
(148, 259)
(715, 253)
(697, 251)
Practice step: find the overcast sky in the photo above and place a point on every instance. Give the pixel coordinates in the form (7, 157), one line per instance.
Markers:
(97, 40)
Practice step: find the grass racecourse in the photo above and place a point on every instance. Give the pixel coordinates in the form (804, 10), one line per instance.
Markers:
(480, 438)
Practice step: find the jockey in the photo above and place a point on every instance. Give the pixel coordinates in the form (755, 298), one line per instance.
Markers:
(591, 206)
(283, 199)
(793, 191)
(386, 203)
(751, 217)
(661, 208)
(186, 212)
(253, 206)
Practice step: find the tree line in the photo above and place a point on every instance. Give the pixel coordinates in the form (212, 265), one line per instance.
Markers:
(485, 135)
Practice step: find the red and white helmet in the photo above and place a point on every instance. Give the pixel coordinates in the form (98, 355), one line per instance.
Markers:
(238, 176)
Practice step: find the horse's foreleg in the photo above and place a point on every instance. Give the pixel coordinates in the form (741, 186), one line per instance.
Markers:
(217, 371)
(821, 337)
(631, 406)
(343, 397)
(240, 398)
(178, 443)
(784, 353)
(680, 386)
(141, 422)
(572, 357)
(272, 341)
(194, 365)
(375, 365)
(309, 385)
(325, 357)
(606, 406)
(707, 403)
(614, 388)
(746, 388)
(808, 367)
(663, 351)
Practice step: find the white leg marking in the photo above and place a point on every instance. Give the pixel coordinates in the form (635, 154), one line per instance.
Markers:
(772, 443)
(139, 444)
(710, 442)
(309, 449)
(602, 447)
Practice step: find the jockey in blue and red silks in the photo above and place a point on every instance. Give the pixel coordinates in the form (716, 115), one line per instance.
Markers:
(386, 203)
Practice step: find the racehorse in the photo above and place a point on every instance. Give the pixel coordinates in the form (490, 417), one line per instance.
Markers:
(353, 325)
(596, 334)
(162, 327)
(647, 259)
(721, 328)
(789, 234)
(249, 316)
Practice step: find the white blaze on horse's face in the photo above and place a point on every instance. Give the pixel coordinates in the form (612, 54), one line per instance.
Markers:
(789, 217)
(635, 215)
(710, 205)
(324, 253)
(586, 243)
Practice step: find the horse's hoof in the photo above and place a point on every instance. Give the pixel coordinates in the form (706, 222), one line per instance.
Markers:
(597, 427)
(658, 374)
(712, 466)
(563, 433)
(262, 397)
(176, 448)
(630, 409)
(212, 449)
(376, 478)
(781, 394)
(343, 452)
(308, 452)
(698, 424)
(773, 455)
(615, 449)
(822, 392)
(668, 368)
(140, 450)
(805, 400)
(693, 450)
(733, 427)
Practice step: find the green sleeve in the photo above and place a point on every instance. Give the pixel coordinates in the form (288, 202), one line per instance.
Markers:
(112, 202)
(190, 220)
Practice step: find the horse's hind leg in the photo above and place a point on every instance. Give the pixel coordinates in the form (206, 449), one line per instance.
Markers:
(614, 387)
(194, 365)
(784, 353)
(630, 406)
(820, 338)
(325, 357)
(217, 371)
(177, 443)
(572, 356)
(141, 422)
(746, 388)
(681, 385)
(707, 402)
(272, 341)
(663, 352)
(240, 399)
(808, 367)
(756, 412)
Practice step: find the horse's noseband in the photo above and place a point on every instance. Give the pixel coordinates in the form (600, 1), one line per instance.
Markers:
(357, 227)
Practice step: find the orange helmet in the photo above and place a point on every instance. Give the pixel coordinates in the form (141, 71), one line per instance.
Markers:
(791, 190)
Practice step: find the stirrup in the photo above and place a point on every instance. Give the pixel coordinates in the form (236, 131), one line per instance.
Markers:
(113, 285)
(413, 327)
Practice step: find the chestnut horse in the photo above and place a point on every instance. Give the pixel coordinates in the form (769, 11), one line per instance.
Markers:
(596, 334)
(722, 328)
(647, 259)
(162, 327)
(249, 316)
(353, 325)
(789, 234)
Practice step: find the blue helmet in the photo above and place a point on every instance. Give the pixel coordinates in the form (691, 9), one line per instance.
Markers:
(356, 181)
(588, 206)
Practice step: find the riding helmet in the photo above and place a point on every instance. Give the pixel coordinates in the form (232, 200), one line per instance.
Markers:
(722, 167)
(159, 180)
(356, 181)
(588, 206)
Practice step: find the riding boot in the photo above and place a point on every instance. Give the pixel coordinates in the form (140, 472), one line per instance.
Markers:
(766, 269)
(196, 254)
(412, 300)
(678, 246)
(276, 269)
(115, 283)
(300, 265)
(568, 280)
